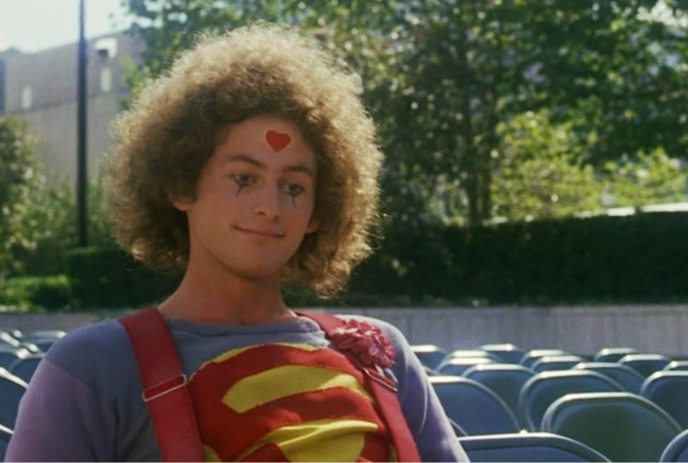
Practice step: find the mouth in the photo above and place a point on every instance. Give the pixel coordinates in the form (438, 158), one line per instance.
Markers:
(263, 233)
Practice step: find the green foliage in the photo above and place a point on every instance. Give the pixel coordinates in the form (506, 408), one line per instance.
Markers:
(539, 174)
(652, 178)
(25, 293)
(37, 219)
(598, 260)
(107, 277)
(440, 78)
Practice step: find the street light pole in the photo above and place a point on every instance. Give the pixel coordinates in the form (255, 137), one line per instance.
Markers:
(82, 165)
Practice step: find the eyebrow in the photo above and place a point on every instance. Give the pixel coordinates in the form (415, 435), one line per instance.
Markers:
(260, 165)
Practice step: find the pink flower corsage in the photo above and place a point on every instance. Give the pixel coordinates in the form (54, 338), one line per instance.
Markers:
(367, 341)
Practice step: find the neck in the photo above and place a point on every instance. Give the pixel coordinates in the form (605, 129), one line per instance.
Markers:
(223, 298)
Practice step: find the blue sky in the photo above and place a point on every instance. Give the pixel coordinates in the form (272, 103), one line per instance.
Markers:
(34, 25)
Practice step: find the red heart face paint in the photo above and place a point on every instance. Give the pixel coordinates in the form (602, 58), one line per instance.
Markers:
(277, 140)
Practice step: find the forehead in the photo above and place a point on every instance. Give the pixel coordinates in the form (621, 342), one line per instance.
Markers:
(270, 139)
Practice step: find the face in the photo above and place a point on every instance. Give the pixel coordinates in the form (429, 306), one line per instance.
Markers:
(254, 199)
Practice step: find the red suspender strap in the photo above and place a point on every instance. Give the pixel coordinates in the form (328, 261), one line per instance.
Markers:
(164, 386)
(383, 389)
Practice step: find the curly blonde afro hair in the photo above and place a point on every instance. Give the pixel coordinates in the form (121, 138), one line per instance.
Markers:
(165, 139)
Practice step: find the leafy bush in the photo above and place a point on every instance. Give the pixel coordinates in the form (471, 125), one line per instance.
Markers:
(107, 277)
(640, 258)
(52, 292)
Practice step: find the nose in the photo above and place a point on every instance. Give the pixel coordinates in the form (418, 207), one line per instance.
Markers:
(268, 203)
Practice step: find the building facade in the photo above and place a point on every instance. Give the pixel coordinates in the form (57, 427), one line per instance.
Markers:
(41, 88)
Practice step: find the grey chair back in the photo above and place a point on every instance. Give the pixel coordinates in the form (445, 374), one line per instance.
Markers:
(26, 367)
(531, 447)
(534, 355)
(457, 366)
(5, 436)
(556, 363)
(475, 408)
(12, 389)
(677, 365)
(613, 354)
(30, 336)
(543, 389)
(621, 426)
(626, 376)
(677, 450)
(429, 355)
(669, 390)
(508, 353)
(505, 380)
(9, 355)
(645, 364)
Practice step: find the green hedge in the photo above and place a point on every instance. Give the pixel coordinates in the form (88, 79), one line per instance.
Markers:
(640, 258)
(635, 259)
(105, 277)
(30, 292)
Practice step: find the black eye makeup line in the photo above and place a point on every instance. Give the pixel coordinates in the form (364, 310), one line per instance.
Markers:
(241, 185)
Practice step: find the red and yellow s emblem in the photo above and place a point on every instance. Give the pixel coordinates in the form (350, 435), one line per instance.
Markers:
(286, 402)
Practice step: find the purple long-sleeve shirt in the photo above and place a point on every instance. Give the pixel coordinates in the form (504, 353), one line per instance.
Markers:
(84, 401)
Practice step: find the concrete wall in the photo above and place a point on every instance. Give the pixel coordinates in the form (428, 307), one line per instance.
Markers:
(583, 330)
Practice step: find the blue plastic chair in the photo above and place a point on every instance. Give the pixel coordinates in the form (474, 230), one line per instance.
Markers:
(627, 377)
(505, 380)
(30, 336)
(556, 363)
(429, 355)
(532, 447)
(5, 436)
(7, 339)
(475, 408)
(508, 353)
(534, 355)
(677, 450)
(472, 353)
(457, 366)
(621, 426)
(669, 390)
(26, 367)
(544, 388)
(677, 365)
(645, 364)
(11, 391)
(9, 355)
(613, 354)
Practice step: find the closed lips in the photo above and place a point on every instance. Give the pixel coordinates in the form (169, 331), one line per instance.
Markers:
(260, 232)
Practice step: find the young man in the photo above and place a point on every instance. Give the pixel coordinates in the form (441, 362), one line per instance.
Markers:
(251, 164)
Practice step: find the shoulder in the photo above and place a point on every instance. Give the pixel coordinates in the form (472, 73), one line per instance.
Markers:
(92, 351)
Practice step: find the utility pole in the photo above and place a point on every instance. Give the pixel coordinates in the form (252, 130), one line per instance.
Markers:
(82, 165)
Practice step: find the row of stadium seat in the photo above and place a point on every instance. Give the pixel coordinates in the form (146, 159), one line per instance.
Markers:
(492, 398)
(20, 354)
(527, 394)
(541, 360)
(543, 447)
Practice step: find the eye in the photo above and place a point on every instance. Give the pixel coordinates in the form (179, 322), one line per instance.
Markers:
(242, 179)
(294, 190)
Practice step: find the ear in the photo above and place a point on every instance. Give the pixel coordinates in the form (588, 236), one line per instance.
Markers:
(179, 202)
(313, 225)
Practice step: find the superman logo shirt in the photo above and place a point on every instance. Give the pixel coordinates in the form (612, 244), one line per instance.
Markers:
(274, 392)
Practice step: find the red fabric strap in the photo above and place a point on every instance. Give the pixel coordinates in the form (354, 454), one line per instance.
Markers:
(383, 389)
(164, 386)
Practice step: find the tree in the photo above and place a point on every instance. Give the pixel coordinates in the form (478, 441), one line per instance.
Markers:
(651, 178)
(440, 76)
(19, 178)
(539, 174)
